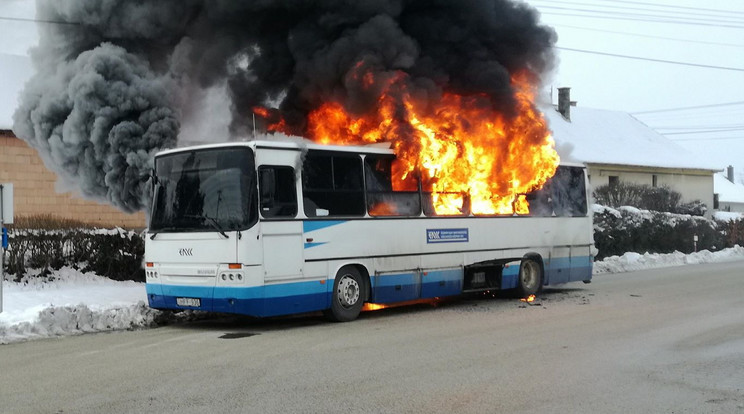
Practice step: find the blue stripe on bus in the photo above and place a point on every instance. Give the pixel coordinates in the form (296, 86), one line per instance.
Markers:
(568, 269)
(400, 287)
(312, 225)
(260, 301)
(309, 245)
(509, 277)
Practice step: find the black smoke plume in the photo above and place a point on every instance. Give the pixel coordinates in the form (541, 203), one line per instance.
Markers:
(116, 78)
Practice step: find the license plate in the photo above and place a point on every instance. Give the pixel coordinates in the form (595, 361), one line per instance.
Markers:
(190, 302)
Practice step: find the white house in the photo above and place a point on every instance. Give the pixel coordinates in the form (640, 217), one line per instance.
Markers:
(730, 195)
(617, 147)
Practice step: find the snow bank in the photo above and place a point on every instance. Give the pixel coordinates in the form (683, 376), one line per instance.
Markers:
(70, 302)
(634, 261)
(728, 216)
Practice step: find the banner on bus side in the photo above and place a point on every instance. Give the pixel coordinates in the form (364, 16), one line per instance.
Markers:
(447, 235)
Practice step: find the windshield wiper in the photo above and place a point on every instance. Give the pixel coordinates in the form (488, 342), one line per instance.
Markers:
(216, 226)
(155, 233)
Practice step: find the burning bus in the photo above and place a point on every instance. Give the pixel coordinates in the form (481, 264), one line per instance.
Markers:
(269, 227)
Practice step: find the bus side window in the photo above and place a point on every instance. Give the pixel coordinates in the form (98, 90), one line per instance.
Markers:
(569, 192)
(541, 202)
(277, 190)
(383, 198)
(332, 185)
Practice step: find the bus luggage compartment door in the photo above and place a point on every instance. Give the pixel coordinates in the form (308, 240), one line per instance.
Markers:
(282, 249)
(396, 286)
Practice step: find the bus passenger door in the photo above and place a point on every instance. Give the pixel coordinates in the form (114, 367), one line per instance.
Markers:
(280, 231)
(282, 249)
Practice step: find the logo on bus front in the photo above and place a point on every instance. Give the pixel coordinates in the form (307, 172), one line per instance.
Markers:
(446, 235)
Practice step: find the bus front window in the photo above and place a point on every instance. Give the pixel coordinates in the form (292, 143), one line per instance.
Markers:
(205, 190)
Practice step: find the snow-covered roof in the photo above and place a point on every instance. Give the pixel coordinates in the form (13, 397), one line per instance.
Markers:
(726, 190)
(15, 70)
(613, 137)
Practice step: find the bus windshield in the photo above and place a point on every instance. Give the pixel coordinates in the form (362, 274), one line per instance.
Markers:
(207, 190)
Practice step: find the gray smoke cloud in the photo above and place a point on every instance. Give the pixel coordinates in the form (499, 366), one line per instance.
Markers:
(116, 79)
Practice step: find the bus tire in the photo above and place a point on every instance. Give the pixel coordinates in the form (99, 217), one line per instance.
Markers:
(348, 295)
(530, 277)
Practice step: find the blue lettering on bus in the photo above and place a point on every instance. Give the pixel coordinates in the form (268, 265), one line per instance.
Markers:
(447, 235)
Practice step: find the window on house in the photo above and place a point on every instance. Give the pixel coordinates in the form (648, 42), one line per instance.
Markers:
(654, 180)
(613, 180)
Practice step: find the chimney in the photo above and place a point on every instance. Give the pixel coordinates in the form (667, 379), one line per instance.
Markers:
(730, 173)
(564, 102)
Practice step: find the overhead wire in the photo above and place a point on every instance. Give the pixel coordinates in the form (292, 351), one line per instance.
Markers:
(673, 62)
(648, 13)
(685, 108)
(650, 36)
(34, 20)
(648, 7)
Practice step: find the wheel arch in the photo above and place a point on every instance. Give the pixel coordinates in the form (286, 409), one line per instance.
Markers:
(539, 259)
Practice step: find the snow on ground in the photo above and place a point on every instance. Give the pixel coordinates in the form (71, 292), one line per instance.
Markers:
(71, 302)
(634, 261)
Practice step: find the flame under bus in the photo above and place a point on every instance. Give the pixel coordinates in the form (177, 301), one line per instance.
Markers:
(268, 228)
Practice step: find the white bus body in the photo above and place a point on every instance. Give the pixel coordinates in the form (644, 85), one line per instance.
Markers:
(270, 250)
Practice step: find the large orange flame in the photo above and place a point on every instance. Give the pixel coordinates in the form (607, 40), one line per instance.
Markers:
(463, 151)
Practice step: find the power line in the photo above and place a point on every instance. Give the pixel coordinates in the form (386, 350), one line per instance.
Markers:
(23, 19)
(674, 7)
(685, 108)
(704, 132)
(649, 18)
(591, 29)
(672, 62)
(705, 138)
(698, 127)
(649, 12)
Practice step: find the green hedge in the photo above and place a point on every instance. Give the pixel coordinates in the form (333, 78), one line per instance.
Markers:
(628, 229)
(116, 254)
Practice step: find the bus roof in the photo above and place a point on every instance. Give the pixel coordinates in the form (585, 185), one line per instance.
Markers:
(298, 144)
(301, 144)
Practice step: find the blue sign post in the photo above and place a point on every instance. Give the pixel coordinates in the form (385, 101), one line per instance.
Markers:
(6, 216)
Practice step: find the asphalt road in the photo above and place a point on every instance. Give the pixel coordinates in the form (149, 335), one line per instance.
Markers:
(662, 341)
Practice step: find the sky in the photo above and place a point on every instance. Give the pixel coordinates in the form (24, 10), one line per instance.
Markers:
(652, 58)
(706, 39)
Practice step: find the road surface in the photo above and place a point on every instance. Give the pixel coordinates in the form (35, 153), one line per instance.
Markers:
(660, 341)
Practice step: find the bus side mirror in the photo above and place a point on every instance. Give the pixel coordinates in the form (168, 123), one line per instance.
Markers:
(150, 175)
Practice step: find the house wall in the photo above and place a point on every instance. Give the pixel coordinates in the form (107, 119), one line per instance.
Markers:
(691, 184)
(731, 206)
(34, 190)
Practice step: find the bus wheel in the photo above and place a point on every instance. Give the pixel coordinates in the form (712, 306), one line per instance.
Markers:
(348, 295)
(530, 278)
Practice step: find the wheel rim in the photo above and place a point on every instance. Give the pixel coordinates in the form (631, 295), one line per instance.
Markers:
(348, 291)
(529, 275)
